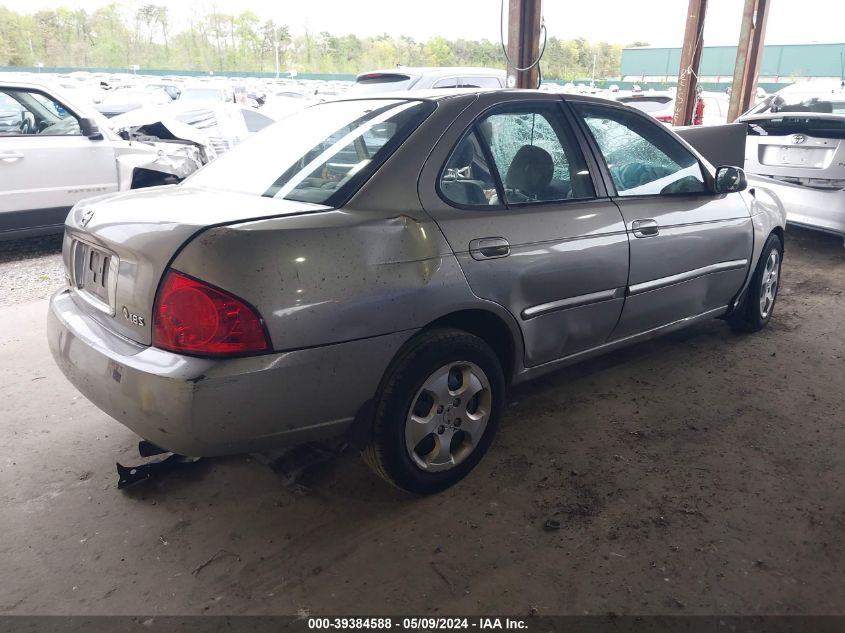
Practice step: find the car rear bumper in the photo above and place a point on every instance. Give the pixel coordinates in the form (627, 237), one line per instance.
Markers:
(814, 208)
(204, 407)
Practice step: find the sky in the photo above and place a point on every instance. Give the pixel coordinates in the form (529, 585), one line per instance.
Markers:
(658, 22)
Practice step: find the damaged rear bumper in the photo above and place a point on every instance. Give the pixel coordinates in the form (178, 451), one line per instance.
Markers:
(203, 407)
(819, 209)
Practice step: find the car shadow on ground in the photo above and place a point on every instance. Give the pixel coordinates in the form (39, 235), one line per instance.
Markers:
(13, 250)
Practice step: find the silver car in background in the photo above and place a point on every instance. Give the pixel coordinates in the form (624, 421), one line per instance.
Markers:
(383, 267)
(427, 78)
(796, 148)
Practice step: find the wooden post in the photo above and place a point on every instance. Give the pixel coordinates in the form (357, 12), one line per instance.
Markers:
(523, 42)
(686, 95)
(749, 56)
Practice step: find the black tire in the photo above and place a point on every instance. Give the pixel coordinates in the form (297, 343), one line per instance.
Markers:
(385, 450)
(750, 315)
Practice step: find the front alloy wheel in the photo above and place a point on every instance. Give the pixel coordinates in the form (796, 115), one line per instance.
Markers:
(769, 288)
(758, 304)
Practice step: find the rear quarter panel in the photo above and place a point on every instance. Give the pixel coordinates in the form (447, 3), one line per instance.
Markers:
(378, 265)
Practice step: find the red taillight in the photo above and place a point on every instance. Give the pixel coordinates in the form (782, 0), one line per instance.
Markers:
(193, 317)
(664, 119)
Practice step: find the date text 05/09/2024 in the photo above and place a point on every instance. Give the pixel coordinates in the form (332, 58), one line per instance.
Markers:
(418, 624)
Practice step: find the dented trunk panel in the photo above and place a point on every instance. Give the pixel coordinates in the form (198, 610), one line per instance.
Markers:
(143, 230)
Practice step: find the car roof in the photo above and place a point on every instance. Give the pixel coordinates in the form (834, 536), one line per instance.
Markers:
(510, 94)
(437, 71)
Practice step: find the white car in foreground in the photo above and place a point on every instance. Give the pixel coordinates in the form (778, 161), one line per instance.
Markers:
(55, 152)
(796, 147)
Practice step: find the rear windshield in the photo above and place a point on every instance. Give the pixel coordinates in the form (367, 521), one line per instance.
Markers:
(321, 154)
(646, 104)
(381, 83)
(811, 126)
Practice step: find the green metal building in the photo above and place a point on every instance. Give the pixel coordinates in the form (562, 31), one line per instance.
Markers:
(782, 64)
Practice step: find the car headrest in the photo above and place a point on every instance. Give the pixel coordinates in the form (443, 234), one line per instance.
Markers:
(463, 155)
(531, 170)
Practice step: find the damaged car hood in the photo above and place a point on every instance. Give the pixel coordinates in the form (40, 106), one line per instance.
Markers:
(214, 127)
(177, 159)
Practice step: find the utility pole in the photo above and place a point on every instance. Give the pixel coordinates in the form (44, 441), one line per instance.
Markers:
(686, 94)
(524, 43)
(749, 55)
(276, 46)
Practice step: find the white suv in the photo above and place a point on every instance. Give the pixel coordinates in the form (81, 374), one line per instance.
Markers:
(54, 152)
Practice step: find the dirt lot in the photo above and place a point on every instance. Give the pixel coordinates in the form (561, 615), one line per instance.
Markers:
(702, 473)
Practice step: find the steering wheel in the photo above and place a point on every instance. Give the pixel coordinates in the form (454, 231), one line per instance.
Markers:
(26, 126)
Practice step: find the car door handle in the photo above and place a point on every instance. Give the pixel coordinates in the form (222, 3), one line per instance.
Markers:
(645, 228)
(489, 248)
(10, 157)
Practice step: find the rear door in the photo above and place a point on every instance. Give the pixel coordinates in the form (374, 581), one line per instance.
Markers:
(511, 189)
(690, 247)
(46, 165)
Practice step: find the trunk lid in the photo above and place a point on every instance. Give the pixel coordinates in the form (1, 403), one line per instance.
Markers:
(799, 148)
(117, 247)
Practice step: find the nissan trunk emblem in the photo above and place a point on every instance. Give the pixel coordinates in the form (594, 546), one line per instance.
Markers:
(797, 139)
(86, 217)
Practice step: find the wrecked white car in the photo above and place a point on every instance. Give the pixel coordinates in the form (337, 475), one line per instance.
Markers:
(214, 127)
(796, 146)
(55, 152)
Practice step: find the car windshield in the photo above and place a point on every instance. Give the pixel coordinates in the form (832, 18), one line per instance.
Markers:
(819, 127)
(804, 99)
(319, 154)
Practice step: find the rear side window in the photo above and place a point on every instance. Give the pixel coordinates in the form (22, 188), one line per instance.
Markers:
(480, 82)
(641, 157)
(467, 179)
(535, 159)
(446, 82)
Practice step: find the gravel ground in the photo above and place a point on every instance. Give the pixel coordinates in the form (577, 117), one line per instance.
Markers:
(30, 269)
(700, 473)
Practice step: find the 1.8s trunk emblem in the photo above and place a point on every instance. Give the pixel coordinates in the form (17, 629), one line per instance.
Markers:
(134, 319)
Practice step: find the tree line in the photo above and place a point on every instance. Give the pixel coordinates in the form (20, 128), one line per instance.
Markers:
(122, 35)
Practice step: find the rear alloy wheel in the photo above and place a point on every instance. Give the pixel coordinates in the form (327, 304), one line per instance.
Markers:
(437, 413)
(756, 309)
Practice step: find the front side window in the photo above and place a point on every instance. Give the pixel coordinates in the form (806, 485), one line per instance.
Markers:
(320, 154)
(642, 159)
(25, 113)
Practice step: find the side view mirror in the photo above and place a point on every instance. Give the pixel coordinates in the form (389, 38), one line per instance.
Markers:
(730, 179)
(89, 128)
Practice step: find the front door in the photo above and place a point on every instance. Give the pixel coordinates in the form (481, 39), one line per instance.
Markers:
(513, 194)
(46, 165)
(690, 247)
